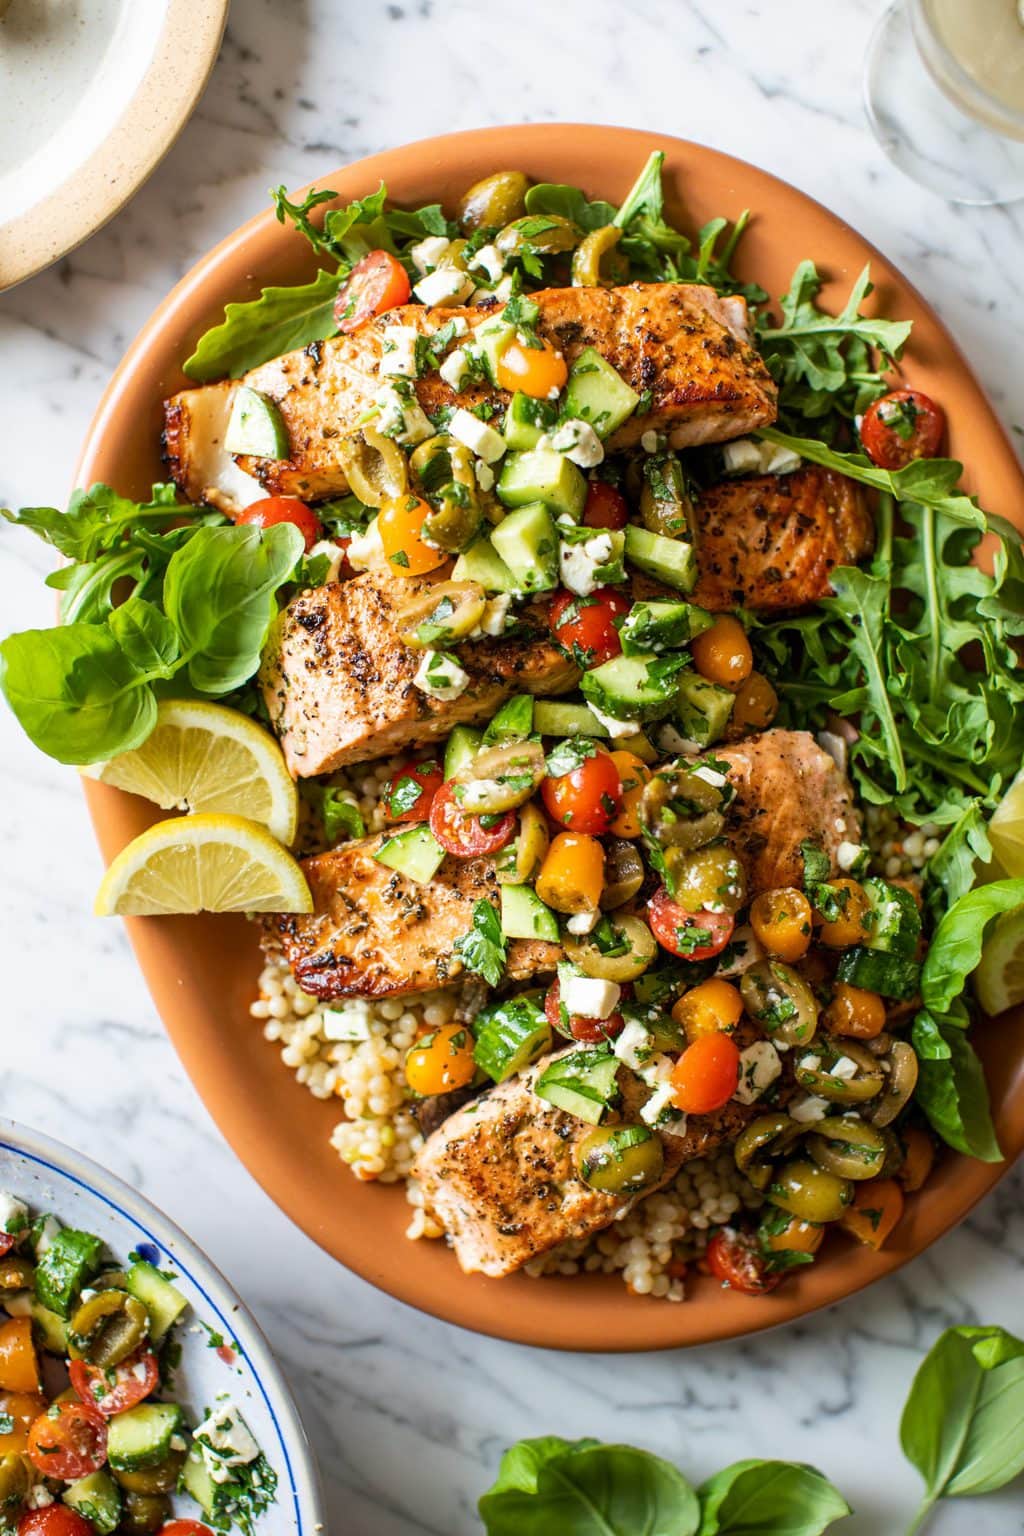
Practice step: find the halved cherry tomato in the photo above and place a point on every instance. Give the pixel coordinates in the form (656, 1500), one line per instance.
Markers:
(55, 1520)
(540, 372)
(605, 507)
(19, 1363)
(585, 626)
(441, 1060)
(401, 802)
(736, 1259)
(902, 426)
(400, 523)
(343, 541)
(376, 284)
(7, 1242)
(68, 1441)
(283, 509)
(115, 1391)
(633, 775)
(575, 1026)
(464, 835)
(185, 1528)
(705, 1076)
(588, 798)
(690, 935)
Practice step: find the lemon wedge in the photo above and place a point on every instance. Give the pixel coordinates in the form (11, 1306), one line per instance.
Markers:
(1006, 829)
(999, 979)
(206, 757)
(203, 863)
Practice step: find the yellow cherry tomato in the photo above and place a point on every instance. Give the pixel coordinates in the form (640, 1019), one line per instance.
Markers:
(634, 774)
(712, 1006)
(797, 1236)
(781, 920)
(537, 371)
(400, 523)
(855, 1012)
(722, 653)
(849, 927)
(876, 1210)
(571, 877)
(756, 704)
(441, 1060)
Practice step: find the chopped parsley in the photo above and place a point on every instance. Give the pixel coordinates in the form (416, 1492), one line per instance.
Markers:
(482, 949)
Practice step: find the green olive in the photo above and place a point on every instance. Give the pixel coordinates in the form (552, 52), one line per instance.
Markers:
(711, 878)
(162, 1478)
(442, 615)
(16, 1478)
(781, 1002)
(665, 503)
(455, 521)
(494, 201)
(901, 1070)
(518, 863)
(453, 256)
(817, 1073)
(623, 872)
(620, 1159)
(627, 957)
(680, 809)
(499, 778)
(374, 467)
(594, 251)
(107, 1328)
(847, 1147)
(443, 471)
(144, 1513)
(547, 233)
(807, 1191)
(109, 1280)
(759, 1143)
(15, 1275)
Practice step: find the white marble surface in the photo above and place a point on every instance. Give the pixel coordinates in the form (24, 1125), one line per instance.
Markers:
(409, 1415)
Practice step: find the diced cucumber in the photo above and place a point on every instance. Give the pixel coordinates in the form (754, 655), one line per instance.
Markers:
(415, 852)
(703, 709)
(67, 1265)
(142, 1436)
(669, 560)
(196, 1480)
(582, 1082)
(481, 562)
(525, 916)
(596, 392)
(893, 922)
(633, 687)
(97, 1498)
(510, 1036)
(490, 339)
(877, 971)
(256, 426)
(51, 1329)
(463, 744)
(162, 1300)
(662, 626)
(543, 475)
(513, 722)
(526, 421)
(527, 542)
(553, 717)
(640, 745)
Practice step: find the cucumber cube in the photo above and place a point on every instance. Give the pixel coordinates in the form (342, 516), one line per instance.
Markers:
(545, 476)
(525, 916)
(662, 626)
(414, 852)
(162, 1300)
(552, 717)
(633, 687)
(463, 743)
(513, 722)
(481, 562)
(702, 710)
(97, 1498)
(597, 393)
(526, 421)
(67, 1265)
(528, 544)
(669, 560)
(142, 1436)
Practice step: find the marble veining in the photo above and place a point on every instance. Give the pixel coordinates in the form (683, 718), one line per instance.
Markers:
(409, 1415)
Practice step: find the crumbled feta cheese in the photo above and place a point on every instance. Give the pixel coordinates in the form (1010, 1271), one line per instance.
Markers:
(583, 922)
(478, 437)
(649, 441)
(39, 1497)
(13, 1213)
(398, 353)
(633, 1045)
(349, 1020)
(445, 286)
(331, 552)
(741, 457)
(504, 289)
(495, 614)
(577, 440)
(845, 1068)
(225, 1442)
(440, 676)
(710, 776)
(810, 1062)
(615, 727)
(673, 741)
(741, 952)
(849, 854)
(490, 260)
(45, 1235)
(777, 460)
(177, 1442)
(484, 475)
(759, 1067)
(659, 1101)
(401, 417)
(588, 996)
(578, 563)
(454, 368)
(808, 1108)
(365, 549)
(426, 255)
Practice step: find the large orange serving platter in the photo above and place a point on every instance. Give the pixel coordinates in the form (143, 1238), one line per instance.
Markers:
(202, 971)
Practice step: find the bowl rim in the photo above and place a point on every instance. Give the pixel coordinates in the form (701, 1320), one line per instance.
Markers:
(563, 1326)
(217, 1292)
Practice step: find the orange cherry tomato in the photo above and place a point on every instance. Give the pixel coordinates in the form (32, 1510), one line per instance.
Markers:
(588, 798)
(855, 1012)
(571, 876)
(711, 1007)
(68, 1441)
(540, 372)
(441, 1060)
(633, 775)
(400, 523)
(19, 1363)
(849, 926)
(735, 1258)
(706, 1074)
(722, 653)
(781, 920)
(115, 1391)
(797, 1236)
(756, 704)
(918, 1157)
(376, 284)
(875, 1212)
(605, 507)
(902, 426)
(22, 1409)
(282, 509)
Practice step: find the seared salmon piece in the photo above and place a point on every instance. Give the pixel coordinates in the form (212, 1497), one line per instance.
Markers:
(338, 680)
(771, 542)
(681, 341)
(788, 791)
(375, 933)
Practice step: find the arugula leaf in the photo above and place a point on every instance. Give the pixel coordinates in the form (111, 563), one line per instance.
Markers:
(340, 814)
(483, 948)
(769, 1498)
(589, 1490)
(956, 945)
(280, 320)
(98, 519)
(949, 873)
(951, 1086)
(298, 214)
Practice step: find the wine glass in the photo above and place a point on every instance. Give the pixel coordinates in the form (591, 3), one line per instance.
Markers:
(944, 91)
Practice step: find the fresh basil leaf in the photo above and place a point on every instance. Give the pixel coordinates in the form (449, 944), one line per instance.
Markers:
(220, 594)
(569, 203)
(596, 1490)
(769, 1498)
(521, 1464)
(280, 320)
(147, 638)
(957, 943)
(951, 1087)
(482, 949)
(961, 1426)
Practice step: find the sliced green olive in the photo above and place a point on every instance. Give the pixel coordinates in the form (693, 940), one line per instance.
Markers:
(623, 956)
(818, 1075)
(499, 778)
(159, 1479)
(761, 1142)
(16, 1275)
(595, 252)
(901, 1069)
(455, 521)
(494, 201)
(781, 1002)
(442, 615)
(680, 809)
(454, 256)
(374, 467)
(623, 872)
(144, 1513)
(16, 1478)
(620, 1159)
(107, 1328)
(519, 862)
(710, 877)
(110, 1280)
(847, 1147)
(807, 1191)
(547, 233)
(443, 470)
(665, 503)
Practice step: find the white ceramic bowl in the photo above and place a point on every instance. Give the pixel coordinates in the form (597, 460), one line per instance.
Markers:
(51, 1177)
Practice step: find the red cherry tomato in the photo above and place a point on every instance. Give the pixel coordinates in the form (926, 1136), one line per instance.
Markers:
(55, 1520)
(902, 426)
(68, 1441)
(735, 1258)
(283, 509)
(376, 284)
(575, 1026)
(587, 799)
(705, 1076)
(605, 507)
(585, 626)
(115, 1391)
(464, 835)
(690, 935)
(185, 1528)
(402, 802)
(7, 1242)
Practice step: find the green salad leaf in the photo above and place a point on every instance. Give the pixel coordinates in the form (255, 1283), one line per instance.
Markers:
(482, 949)
(956, 945)
(951, 1087)
(769, 1498)
(569, 203)
(280, 320)
(556, 1487)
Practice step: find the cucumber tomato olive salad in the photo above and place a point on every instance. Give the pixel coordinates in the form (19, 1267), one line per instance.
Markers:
(91, 1439)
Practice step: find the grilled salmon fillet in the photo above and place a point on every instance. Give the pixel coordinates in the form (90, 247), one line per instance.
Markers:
(770, 542)
(338, 681)
(681, 341)
(375, 933)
